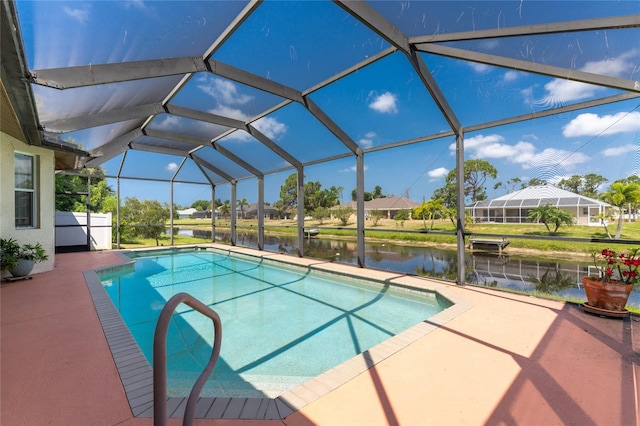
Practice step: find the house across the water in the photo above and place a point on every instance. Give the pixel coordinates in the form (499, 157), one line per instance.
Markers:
(514, 207)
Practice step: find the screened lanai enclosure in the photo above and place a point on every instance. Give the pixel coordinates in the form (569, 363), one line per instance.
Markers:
(231, 97)
(515, 207)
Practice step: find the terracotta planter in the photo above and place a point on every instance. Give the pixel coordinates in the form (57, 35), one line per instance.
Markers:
(609, 296)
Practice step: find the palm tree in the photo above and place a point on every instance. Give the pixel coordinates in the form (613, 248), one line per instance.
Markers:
(551, 215)
(603, 218)
(552, 281)
(620, 194)
(242, 204)
(225, 209)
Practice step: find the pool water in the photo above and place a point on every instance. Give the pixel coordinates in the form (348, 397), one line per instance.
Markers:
(281, 325)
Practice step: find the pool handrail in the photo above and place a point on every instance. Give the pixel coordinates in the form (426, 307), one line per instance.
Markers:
(160, 358)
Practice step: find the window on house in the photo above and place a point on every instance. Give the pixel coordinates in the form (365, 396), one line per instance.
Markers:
(25, 190)
(585, 211)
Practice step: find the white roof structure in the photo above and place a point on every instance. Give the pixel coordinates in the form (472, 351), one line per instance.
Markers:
(534, 196)
(187, 212)
(514, 207)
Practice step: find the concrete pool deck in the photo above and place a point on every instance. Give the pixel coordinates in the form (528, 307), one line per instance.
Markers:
(507, 359)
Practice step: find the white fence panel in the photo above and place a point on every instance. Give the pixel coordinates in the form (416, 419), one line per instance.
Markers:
(71, 230)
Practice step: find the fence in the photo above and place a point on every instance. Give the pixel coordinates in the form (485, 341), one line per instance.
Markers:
(73, 234)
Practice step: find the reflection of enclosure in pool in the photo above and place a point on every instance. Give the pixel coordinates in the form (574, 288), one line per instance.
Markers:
(521, 274)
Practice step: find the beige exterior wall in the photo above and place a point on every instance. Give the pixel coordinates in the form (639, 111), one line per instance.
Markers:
(44, 233)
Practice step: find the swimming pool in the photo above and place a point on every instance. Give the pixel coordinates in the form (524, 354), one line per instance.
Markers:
(283, 325)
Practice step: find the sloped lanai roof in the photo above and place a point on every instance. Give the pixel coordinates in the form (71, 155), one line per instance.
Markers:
(213, 82)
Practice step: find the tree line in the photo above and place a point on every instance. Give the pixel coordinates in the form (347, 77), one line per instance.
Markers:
(146, 218)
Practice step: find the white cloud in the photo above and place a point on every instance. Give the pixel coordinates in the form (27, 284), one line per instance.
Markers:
(174, 123)
(167, 122)
(552, 157)
(615, 67)
(227, 111)
(352, 169)
(510, 75)
(560, 91)
(522, 153)
(365, 143)
(488, 44)
(171, 167)
(223, 91)
(589, 124)
(367, 140)
(385, 103)
(438, 173)
(239, 135)
(80, 15)
(620, 150)
(271, 127)
(527, 94)
(138, 4)
(478, 67)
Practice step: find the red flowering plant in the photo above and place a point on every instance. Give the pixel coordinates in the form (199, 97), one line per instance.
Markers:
(619, 267)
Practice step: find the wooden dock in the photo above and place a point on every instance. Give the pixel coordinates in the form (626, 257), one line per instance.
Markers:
(313, 232)
(488, 244)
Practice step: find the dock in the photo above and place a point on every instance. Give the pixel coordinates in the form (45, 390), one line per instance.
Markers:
(488, 244)
(313, 232)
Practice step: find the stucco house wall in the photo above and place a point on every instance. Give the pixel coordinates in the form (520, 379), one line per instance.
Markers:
(44, 232)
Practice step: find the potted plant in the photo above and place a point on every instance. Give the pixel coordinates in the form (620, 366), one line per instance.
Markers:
(608, 293)
(19, 259)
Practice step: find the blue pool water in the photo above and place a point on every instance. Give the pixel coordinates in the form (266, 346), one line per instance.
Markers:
(282, 325)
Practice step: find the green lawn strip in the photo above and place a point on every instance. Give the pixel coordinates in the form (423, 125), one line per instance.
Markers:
(164, 240)
(396, 232)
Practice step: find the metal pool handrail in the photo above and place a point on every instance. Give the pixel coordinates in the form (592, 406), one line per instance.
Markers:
(160, 358)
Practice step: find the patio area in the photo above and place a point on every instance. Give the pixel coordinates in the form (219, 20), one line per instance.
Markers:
(507, 359)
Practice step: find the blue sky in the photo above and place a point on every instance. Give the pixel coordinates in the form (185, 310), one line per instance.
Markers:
(302, 43)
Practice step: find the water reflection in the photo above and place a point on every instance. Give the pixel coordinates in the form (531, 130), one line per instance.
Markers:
(540, 276)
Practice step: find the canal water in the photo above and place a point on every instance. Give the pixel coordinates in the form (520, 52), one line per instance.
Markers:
(533, 275)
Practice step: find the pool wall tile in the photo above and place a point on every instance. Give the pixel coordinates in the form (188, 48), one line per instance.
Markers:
(203, 406)
(263, 409)
(144, 410)
(176, 407)
(137, 375)
(283, 407)
(234, 408)
(251, 408)
(217, 408)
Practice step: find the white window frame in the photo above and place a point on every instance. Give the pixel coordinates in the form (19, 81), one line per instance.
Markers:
(33, 190)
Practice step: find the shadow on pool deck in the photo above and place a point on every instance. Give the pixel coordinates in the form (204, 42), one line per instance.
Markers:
(509, 359)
